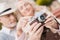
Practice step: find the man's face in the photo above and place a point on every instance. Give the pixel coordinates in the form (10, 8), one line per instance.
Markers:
(26, 9)
(8, 20)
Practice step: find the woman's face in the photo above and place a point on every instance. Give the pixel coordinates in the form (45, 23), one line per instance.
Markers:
(26, 9)
(8, 20)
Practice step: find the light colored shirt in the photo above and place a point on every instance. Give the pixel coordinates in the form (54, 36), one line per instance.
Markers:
(7, 34)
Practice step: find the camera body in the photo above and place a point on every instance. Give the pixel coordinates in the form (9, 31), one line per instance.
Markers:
(39, 17)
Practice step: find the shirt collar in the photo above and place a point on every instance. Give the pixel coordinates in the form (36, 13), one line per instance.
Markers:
(6, 30)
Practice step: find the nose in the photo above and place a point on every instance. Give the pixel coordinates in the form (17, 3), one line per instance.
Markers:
(12, 18)
(27, 9)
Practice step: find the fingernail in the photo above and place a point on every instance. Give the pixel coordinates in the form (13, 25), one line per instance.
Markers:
(39, 23)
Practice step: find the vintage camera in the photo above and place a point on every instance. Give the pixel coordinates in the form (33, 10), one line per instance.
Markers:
(39, 17)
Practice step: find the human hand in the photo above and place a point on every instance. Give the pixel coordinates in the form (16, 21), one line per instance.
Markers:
(21, 24)
(51, 24)
(35, 32)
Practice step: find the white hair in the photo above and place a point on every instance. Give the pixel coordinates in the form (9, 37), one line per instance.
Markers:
(24, 1)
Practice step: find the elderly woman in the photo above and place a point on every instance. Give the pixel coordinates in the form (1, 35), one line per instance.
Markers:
(27, 11)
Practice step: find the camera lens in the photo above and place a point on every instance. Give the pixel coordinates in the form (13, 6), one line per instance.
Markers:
(42, 17)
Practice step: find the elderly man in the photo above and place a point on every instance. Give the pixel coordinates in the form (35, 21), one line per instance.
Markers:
(8, 21)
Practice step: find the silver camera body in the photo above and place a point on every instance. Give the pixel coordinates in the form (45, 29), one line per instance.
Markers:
(39, 17)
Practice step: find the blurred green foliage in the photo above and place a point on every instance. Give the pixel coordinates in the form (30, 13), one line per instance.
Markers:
(0, 26)
(44, 2)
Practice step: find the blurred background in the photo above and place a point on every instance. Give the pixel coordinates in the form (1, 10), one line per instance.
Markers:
(10, 2)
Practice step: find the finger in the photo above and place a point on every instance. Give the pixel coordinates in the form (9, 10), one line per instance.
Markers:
(31, 28)
(39, 31)
(36, 27)
(48, 17)
(27, 18)
(57, 15)
(19, 32)
(33, 25)
(52, 24)
(55, 12)
(48, 20)
(24, 20)
(21, 23)
(28, 27)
